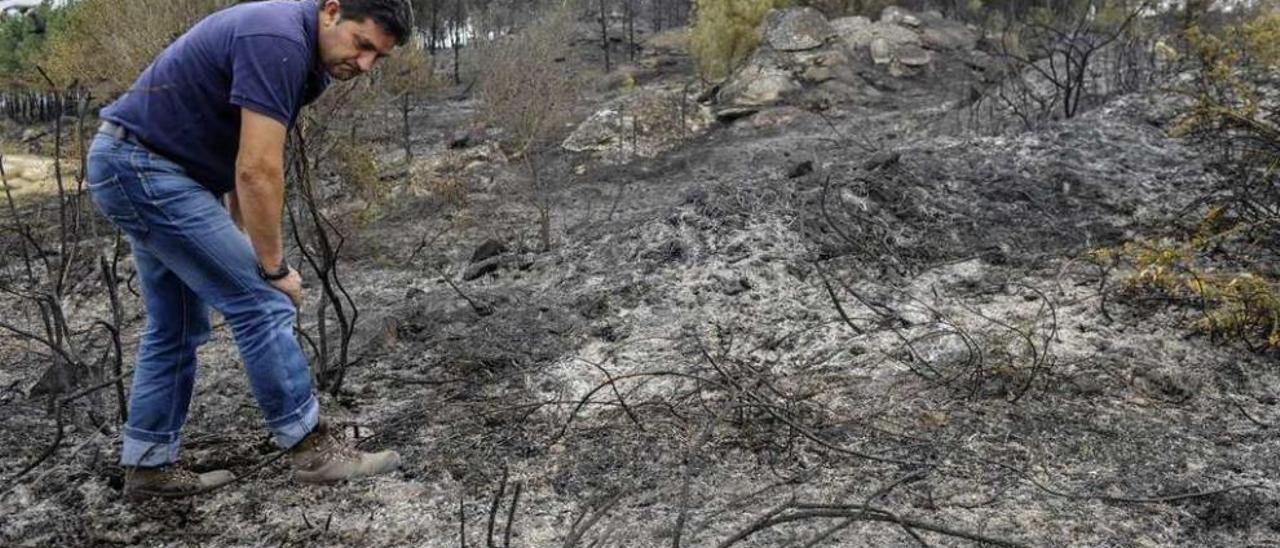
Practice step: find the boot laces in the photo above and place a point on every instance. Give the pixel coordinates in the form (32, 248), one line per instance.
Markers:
(333, 450)
(182, 475)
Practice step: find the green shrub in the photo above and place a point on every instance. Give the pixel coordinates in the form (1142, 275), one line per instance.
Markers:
(1230, 116)
(358, 169)
(1237, 300)
(22, 41)
(725, 32)
(1225, 268)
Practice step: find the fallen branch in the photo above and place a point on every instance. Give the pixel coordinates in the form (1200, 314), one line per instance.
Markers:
(792, 511)
(59, 432)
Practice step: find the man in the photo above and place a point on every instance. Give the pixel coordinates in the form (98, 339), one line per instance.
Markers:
(209, 118)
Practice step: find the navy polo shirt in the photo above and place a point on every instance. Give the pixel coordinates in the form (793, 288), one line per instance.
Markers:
(263, 56)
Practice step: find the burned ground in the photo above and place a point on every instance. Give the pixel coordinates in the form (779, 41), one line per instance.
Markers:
(851, 326)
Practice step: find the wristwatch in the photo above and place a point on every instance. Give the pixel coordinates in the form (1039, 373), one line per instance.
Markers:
(278, 274)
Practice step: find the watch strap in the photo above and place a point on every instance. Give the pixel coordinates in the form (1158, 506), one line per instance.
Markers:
(279, 274)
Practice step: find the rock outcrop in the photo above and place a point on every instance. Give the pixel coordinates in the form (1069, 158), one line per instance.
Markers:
(798, 29)
(646, 123)
(902, 61)
(853, 61)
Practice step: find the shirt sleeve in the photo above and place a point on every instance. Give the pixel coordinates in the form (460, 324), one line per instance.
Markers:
(268, 74)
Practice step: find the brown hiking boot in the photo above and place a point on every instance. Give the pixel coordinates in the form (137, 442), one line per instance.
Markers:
(171, 481)
(322, 458)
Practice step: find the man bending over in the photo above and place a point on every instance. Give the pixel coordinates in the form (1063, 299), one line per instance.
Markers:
(209, 119)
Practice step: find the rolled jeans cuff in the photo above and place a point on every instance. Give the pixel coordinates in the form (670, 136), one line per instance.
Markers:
(149, 449)
(291, 428)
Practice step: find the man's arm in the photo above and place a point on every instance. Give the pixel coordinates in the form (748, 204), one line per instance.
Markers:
(259, 193)
(233, 207)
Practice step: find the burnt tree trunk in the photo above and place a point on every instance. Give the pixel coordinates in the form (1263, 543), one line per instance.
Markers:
(457, 42)
(604, 35)
(1194, 10)
(631, 30)
(405, 106)
(435, 26)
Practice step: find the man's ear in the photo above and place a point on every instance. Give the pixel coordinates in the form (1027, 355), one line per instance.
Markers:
(332, 9)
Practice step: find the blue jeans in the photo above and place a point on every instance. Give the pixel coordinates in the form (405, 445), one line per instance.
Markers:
(190, 256)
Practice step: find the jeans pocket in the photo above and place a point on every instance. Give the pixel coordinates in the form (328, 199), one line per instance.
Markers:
(162, 185)
(114, 203)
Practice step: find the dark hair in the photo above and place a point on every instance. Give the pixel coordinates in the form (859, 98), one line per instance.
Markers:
(394, 16)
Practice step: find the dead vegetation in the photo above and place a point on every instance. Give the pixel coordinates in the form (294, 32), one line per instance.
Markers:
(758, 338)
(529, 92)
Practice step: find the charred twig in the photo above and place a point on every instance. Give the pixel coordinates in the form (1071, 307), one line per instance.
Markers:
(59, 431)
(890, 318)
(1120, 499)
(511, 515)
(686, 478)
(110, 280)
(621, 401)
(481, 310)
(589, 517)
(792, 511)
(849, 239)
(23, 231)
(831, 292)
(864, 144)
(1039, 352)
(750, 399)
(741, 502)
(1246, 414)
(426, 242)
(493, 508)
(462, 522)
(323, 260)
(44, 455)
(586, 399)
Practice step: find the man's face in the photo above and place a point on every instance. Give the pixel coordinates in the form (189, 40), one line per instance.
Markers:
(350, 48)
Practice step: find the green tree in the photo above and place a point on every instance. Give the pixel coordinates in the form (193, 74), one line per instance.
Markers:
(22, 41)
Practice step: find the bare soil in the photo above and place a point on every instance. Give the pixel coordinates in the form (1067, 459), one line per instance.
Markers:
(676, 371)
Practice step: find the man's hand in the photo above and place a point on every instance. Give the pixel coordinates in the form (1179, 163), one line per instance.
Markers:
(290, 285)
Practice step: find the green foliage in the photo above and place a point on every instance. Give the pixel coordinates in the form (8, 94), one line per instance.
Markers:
(1239, 301)
(1225, 268)
(1256, 43)
(22, 42)
(1229, 113)
(358, 169)
(725, 32)
(1262, 39)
